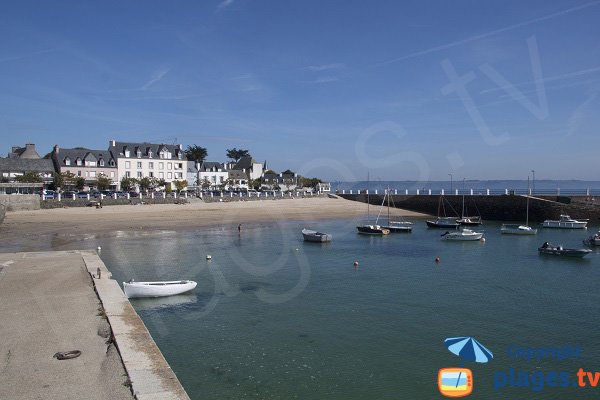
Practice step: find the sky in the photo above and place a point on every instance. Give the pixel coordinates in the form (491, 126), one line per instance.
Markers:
(396, 90)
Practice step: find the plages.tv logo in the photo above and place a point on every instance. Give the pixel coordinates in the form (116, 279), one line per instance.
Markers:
(458, 382)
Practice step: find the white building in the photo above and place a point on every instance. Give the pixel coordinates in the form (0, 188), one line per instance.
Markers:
(213, 174)
(139, 160)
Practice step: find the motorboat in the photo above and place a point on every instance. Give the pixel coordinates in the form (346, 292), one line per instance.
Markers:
(548, 248)
(593, 240)
(516, 229)
(443, 222)
(462, 235)
(372, 230)
(565, 222)
(157, 289)
(314, 236)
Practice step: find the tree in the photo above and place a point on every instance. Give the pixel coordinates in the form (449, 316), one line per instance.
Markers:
(205, 183)
(196, 153)
(309, 182)
(236, 154)
(288, 172)
(64, 180)
(180, 185)
(29, 177)
(128, 184)
(79, 182)
(147, 183)
(103, 182)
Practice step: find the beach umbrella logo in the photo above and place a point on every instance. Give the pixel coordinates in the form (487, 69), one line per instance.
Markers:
(458, 382)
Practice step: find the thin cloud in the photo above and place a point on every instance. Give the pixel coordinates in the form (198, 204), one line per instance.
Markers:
(27, 55)
(224, 4)
(325, 79)
(486, 34)
(579, 115)
(156, 77)
(325, 67)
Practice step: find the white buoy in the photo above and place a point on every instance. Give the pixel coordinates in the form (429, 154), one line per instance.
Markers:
(208, 257)
(99, 248)
(482, 240)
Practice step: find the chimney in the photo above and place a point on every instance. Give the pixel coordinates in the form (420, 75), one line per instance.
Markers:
(56, 149)
(112, 143)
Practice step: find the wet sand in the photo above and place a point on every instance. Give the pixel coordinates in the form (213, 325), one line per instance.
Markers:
(87, 220)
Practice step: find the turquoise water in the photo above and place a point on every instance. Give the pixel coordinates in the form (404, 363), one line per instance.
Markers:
(276, 318)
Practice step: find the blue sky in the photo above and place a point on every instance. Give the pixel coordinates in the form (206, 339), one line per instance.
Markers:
(410, 90)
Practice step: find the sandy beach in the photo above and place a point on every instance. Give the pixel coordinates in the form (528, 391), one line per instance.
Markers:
(87, 220)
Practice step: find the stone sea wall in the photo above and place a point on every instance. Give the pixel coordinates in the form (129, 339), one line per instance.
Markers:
(20, 202)
(495, 208)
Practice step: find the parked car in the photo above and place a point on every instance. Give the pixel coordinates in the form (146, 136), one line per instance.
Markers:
(68, 194)
(82, 195)
(121, 195)
(107, 193)
(49, 194)
(134, 194)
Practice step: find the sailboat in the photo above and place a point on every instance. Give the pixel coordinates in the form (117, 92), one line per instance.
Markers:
(516, 229)
(468, 221)
(371, 229)
(394, 226)
(443, 222)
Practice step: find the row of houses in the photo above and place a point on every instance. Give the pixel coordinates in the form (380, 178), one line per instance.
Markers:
(163, 162)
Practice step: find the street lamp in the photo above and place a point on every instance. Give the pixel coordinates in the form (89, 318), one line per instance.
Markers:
(450, 183)
(533, 183)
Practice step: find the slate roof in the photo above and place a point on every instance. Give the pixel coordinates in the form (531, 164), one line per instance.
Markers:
(209, 165)
(118, 150)
(84, 155)
(25, 165)
(237, 174)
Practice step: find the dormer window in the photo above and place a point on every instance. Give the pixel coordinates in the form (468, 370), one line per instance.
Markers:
(127, 153)
(139, 154)
(180, 155)
(149, 153)
(67, 161)
(101, 162)
(78, 161)
(112, 163)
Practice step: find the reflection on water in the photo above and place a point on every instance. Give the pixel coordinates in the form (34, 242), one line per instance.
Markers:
(154, 304)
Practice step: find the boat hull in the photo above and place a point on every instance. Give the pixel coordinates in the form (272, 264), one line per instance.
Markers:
(372, 230)
(157, 289)
(555, 251)
(564, 225)
(443, 223)
(316, 237)
(398, 229)
(518, 230)
(457, 237)
(470, 221)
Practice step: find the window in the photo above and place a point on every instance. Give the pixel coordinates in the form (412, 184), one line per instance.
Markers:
(67, 161)
(112, 163)
(161, 175)
(178, 175)
(139, 154)
(78, 173)
(127, 174)
(222, 179)
(139, 164)
(180, 155)
(161, 165)
(169, 175)
(101, 162)
(151, 174)
(139, 174)
(151, 165)
(127, 153)
(179, 166)
(112, 174)
(92, 174)
(78, 161)
(149, 153)
(127, 164)
(169, 165)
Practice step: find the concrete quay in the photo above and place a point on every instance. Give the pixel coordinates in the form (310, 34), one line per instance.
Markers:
(55, 301)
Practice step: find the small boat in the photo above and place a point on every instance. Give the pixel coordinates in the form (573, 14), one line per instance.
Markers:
(443, 222)
(394, 226)
(157, 289)
(512, 229)
(463, 235)
(314, 236)
(372, 230)
(470, 221)
(593, 240)
(565, 222)
(548, 248)
(516, 229)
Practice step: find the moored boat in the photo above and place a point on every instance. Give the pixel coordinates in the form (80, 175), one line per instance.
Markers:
(399, 226)
(516, 229)
(463, 235)
(157, 289)
(565, 222)
(372, 230)
(443, 222)
(314, 236)
(548, 248)
(470, 221)
(593, 240)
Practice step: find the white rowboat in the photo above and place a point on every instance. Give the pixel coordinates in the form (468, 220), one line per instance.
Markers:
(157, 289)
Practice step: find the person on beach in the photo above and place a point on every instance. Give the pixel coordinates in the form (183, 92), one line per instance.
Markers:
(239, 228)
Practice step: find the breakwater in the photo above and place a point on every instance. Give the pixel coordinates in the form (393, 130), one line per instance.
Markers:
(492, 207)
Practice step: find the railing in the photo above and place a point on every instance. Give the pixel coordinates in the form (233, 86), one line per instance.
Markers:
(480, 192)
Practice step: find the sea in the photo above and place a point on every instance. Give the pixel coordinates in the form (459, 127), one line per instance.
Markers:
(363, 317)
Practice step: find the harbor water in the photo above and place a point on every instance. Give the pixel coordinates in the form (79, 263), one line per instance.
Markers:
(275, 318)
